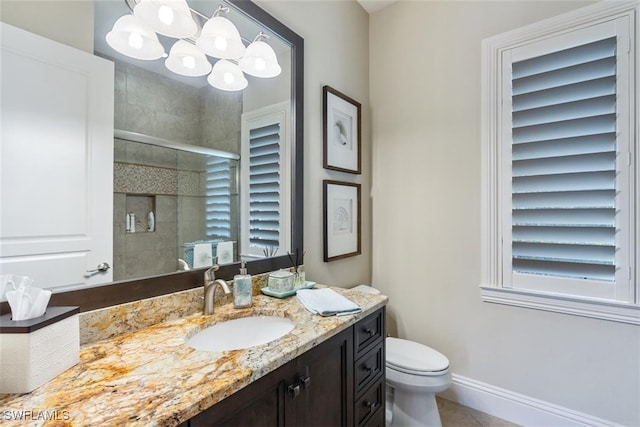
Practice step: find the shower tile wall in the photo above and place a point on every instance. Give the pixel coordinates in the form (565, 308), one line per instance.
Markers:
(155, 105)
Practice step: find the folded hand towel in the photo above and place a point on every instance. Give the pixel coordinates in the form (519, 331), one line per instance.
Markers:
(202, 255)
(326, 302)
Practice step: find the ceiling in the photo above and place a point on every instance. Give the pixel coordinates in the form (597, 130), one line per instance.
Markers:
(374, 5)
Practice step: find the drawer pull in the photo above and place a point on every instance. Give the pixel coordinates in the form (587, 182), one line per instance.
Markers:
(371, 405)
(370, 332)
(367, 368)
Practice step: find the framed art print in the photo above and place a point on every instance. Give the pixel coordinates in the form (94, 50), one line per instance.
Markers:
(341, 220)
(342, 119)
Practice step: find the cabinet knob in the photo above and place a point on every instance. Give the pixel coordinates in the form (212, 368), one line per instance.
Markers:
(294, 390)
(370, 331)
(305, 382)
(367, 368)
(371, 405)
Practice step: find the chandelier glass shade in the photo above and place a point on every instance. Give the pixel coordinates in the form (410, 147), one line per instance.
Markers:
(134, 35)
(167, 17)
(187, 60)
(260, 60)
(220, 39)
(227, 76)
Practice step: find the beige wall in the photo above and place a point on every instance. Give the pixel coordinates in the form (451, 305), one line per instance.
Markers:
(44, 17)
(425, 102)
(336, 54)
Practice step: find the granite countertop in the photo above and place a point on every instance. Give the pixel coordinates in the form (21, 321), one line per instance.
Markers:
(151, 377)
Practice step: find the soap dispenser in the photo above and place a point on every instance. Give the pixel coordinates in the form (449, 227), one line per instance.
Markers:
(242, 288)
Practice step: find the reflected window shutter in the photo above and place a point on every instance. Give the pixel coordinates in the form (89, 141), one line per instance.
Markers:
(563, 160)
(264, 186)
(218, 198)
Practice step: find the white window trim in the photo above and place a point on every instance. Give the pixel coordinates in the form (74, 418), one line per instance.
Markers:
(492, 221)
(275, 113)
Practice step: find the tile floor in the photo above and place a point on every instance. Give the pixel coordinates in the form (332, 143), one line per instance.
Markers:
(454, 415)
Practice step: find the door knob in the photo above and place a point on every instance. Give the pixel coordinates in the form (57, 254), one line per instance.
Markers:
(101, 268)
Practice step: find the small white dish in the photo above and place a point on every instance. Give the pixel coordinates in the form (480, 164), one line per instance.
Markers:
(285, 294)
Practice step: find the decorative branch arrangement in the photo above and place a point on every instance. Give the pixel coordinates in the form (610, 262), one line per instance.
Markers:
(270, 251)
(296, 263)
(298, 259)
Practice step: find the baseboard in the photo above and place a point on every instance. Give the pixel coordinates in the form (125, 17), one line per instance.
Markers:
(516, 408)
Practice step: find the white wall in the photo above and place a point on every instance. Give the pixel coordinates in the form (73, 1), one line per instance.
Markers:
(425, 102)
(336, 48)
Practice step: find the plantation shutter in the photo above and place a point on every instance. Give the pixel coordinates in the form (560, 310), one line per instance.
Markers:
(563, 160)
(264, 186)
(218, 198)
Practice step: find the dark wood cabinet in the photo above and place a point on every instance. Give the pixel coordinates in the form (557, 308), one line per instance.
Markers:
(340, 382)
(326, 400)
(260, 404)
(369, 370)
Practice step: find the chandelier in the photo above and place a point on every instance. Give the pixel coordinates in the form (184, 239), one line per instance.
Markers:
(136, 35)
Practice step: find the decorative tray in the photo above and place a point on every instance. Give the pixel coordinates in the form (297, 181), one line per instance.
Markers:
(285, 294)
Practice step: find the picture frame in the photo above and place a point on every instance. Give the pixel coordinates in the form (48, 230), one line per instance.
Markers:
(342, 136)
(342, 219)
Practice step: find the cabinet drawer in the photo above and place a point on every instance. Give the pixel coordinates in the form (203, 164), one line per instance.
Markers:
(369, 367)
(371, 402)
(377, 419)
(368, 331)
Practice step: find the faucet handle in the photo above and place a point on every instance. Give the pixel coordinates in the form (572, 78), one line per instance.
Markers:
(209, 275)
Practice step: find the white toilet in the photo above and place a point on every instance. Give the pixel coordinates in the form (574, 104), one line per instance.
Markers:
(415, 373)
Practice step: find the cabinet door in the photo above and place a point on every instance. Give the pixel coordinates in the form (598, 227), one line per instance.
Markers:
(325, 375)
(56, 156)
(262, 403)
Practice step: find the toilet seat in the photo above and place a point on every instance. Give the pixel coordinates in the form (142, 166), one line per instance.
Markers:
(414, 358)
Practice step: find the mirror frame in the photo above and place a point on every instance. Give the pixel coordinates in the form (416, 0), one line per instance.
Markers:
(132, 290)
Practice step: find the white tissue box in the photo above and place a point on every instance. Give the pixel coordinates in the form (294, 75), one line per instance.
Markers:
(34, 351)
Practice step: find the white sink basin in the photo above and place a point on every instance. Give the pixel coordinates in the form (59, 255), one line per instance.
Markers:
(241, 333)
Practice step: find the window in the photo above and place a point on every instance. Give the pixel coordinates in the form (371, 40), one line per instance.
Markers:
(559, 165)
(265, 165)
(219, 179)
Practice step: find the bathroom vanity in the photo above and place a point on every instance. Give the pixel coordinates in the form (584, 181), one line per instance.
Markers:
(340, 382)
(326, 371)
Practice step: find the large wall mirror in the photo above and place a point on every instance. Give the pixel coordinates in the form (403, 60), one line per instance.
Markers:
(183, 155)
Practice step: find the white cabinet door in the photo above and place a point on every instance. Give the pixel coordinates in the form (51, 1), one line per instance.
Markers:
(56, 158)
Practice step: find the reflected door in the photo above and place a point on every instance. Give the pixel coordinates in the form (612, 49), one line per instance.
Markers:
(56, 154)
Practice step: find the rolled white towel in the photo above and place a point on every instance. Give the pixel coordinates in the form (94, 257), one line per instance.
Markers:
(326, 302)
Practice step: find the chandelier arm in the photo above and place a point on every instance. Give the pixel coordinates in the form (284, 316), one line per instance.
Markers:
(131, 4)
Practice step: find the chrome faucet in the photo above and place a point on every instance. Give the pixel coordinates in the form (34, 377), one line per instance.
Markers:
(210, 286)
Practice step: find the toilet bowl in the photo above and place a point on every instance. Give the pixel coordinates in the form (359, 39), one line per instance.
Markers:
(415, 373)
